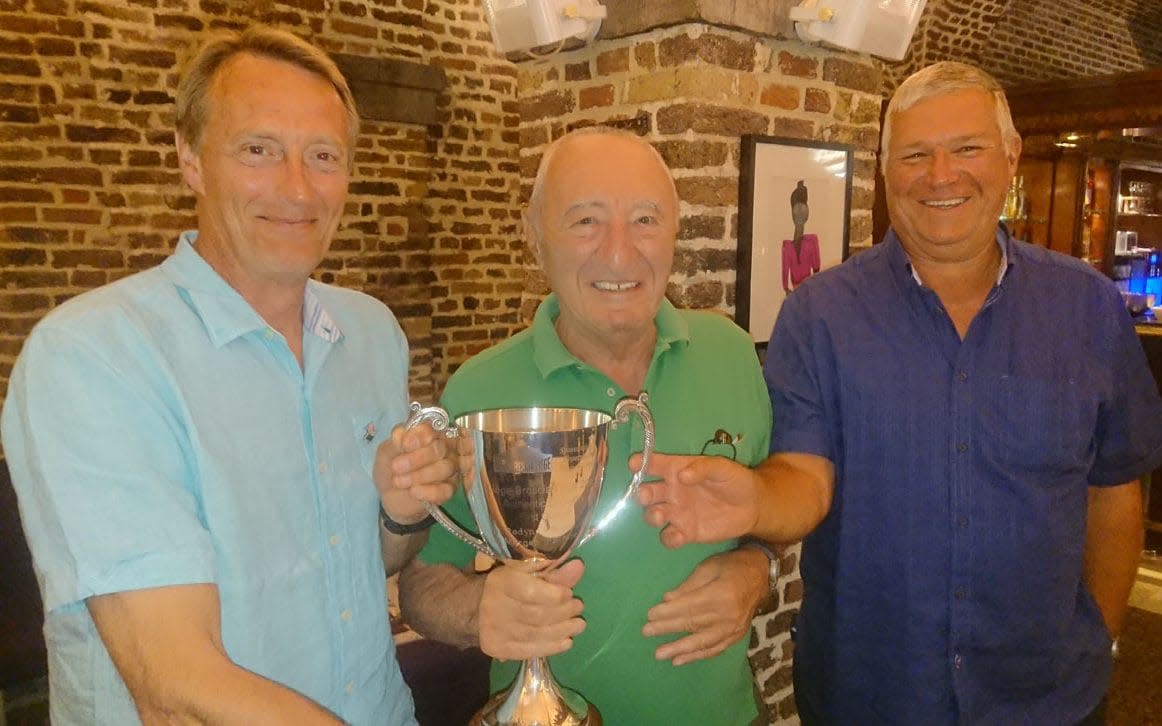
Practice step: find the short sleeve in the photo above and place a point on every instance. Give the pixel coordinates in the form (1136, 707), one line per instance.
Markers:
(1129, 437)
(795, 384)
(106, 490)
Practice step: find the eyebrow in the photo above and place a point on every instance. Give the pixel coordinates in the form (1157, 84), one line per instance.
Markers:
(585, 204)
(264, 135)
(980, 138)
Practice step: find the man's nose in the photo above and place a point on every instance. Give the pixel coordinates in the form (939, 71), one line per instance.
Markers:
(943, 167)
(619, 239)
(294, 181)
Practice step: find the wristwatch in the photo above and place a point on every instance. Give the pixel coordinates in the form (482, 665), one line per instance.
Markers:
(772, 557)
(401, 529)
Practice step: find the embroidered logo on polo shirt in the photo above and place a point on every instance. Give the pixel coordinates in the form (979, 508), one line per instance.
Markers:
(722, 444)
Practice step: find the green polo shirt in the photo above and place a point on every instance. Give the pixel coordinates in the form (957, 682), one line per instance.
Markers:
(704, 377)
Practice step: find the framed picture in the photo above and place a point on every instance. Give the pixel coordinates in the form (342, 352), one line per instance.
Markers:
(793, 221)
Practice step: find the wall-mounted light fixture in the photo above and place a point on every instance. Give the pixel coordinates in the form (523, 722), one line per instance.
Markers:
(878, 27)
(524, 24)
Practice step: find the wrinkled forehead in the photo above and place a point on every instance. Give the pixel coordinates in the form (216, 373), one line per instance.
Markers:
(609, 169)
(948, 116)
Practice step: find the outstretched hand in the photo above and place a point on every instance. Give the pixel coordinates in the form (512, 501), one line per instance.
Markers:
(699, 498)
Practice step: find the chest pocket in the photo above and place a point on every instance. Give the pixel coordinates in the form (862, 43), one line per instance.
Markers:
(1040, 429)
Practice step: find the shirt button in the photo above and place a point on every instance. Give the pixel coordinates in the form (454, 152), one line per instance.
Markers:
(961, 521)
(959, 593)
(957, 661)
(961, 447)
(610, 392)
(345, 615)
(350, 688)
(323, 467)
(962, 376)
(335, 539)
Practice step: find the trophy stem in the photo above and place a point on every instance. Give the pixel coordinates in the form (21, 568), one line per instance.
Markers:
(535, 699)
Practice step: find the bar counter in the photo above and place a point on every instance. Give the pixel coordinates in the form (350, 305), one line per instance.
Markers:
(1150, 333)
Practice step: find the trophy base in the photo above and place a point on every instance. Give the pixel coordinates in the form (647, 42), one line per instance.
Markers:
(487, 716)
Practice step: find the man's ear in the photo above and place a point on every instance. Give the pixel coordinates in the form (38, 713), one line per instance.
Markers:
(1014, 154)
(532, 237)
(190, 165)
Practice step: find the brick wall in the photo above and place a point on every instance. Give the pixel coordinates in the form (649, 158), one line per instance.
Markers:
(693, 90)
(472, 203)
(1022, 41)
(90, 192)
(1104, 37)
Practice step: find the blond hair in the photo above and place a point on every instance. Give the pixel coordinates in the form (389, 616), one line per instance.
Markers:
(193, 97)
(939, 79)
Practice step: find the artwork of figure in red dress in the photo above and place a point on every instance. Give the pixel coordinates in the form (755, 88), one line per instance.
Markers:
(801, 252)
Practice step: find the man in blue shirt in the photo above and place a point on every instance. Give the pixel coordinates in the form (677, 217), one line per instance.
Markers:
(204, 453)
(961, 421)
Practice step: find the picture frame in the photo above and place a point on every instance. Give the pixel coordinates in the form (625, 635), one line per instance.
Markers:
(775, 176)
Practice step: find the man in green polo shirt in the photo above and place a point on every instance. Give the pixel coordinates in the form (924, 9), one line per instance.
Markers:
(647, 634)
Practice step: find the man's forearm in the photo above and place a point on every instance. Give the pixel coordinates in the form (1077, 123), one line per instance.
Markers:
(232, 696)
(1113, 548)
(442, 602)
(166, 644)
(794, 498)
(399, 549)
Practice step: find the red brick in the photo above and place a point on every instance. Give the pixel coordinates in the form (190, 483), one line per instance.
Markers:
(102, 259)
(50, 175)
(596, 96)
(780, 96)
(612, 61)
(19, 67)
(90, 217)
(23, 302)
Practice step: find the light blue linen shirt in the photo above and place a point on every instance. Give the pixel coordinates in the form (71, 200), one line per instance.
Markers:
(159, 432)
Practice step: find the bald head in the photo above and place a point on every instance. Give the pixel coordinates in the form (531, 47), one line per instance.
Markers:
(598, 138)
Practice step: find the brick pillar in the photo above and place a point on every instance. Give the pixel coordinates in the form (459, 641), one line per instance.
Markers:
(693, 88)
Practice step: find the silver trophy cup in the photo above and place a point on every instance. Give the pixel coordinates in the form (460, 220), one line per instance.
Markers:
(532, 479)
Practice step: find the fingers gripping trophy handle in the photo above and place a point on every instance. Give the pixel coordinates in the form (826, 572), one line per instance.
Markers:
(621, 413)
(439, 420)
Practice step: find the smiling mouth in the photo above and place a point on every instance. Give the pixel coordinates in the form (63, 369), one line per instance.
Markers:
(608, 286)
(945, 203)
(287, 221)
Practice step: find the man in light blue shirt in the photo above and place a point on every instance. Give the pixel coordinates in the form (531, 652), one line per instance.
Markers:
(207, 455)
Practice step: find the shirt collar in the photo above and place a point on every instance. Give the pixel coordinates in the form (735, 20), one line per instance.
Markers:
(223, 311)
(550, 354)
(1003, 242)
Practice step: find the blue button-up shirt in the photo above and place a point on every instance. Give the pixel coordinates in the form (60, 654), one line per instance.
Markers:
(161, 433)
(945, 585)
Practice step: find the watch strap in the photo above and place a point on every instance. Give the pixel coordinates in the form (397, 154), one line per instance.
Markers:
(402, 529)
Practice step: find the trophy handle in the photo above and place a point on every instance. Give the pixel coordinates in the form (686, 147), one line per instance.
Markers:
(621, 413)
(439, 420)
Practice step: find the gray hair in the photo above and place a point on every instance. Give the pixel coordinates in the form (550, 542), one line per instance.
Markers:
(193, 102)
(537, 196)
(939, 79)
